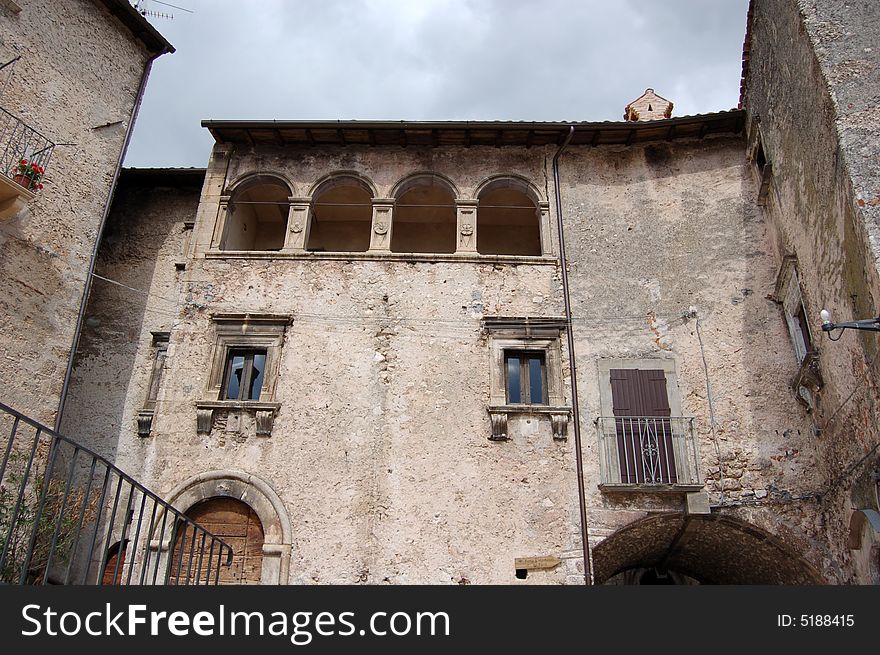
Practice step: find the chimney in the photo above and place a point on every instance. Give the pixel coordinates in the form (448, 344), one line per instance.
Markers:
(648, 107)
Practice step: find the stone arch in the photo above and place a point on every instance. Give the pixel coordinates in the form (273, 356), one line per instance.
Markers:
(710, 549)
(256, 214)
(423, 178)
(510, 180)
(251, 178)
(259, 496)
(424, 219)
(326, 181)
(340, 213)
(508, 217)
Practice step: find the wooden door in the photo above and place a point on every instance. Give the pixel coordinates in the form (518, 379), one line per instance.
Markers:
(644, 431)
(115, 564)
(235, 523)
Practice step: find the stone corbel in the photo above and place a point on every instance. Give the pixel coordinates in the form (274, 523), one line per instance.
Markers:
(264, 420)
(380, 232)
(466, 211)
(204, 420)
(559, 423)
(499, 426)
(298, 224)
(145, 422)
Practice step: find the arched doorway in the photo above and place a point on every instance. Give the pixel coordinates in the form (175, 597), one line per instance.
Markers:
(682, 549)
(258, 495)
(115, 563)
(238, 525)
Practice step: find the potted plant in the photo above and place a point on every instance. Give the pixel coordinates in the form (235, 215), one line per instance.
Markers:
(29, 174)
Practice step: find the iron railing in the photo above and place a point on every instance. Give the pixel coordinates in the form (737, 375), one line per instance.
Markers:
(18, 141)
(68, 516)
(648, 450)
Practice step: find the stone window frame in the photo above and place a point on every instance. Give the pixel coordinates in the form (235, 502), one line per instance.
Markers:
(606, 409)
(763, 171)
(159, 354)
(788, 293)
(244, 331)
(526, 334)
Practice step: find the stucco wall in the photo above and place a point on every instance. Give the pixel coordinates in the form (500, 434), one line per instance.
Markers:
(76, 83)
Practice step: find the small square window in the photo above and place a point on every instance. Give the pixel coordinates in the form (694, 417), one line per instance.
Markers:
(244, 375)
(525, 377)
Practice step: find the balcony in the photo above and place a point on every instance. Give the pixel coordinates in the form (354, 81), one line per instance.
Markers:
(68, 516)
(18, 142)
(648, 453)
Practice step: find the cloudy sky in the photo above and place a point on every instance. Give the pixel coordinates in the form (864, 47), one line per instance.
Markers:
(429, 60)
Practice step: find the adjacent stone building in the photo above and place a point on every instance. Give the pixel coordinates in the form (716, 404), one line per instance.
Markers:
(72, 77)
(460, 352)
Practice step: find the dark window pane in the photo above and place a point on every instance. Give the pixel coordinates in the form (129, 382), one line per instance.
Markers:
(257, 376)
(536, 381)
(513, 384)
(236, 371)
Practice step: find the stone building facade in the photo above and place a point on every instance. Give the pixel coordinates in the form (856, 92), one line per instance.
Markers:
(348, 344)
(72, 78)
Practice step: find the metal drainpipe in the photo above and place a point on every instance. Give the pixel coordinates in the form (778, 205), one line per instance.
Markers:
(582, 503)
(88, 287)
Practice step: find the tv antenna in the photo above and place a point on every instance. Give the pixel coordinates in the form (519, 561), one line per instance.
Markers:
(143, 8)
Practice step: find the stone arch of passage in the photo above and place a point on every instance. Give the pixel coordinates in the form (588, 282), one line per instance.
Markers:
(261, 498)
(711, 549)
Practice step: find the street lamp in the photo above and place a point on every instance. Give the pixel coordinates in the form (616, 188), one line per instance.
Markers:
(865, 324)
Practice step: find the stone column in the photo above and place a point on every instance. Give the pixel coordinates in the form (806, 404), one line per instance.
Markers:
(220, 223)
(298, 224)
(466, 211)
(380, 234)
(546, 230)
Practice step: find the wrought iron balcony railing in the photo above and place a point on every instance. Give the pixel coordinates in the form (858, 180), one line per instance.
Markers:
(68, 516)
(18, 142)
(648, 450)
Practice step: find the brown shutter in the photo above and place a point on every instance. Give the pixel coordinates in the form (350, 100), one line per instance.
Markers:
(644, 446)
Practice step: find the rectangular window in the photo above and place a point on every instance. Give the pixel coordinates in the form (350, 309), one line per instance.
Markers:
(526, 377)
(160, 343)
(243, 379)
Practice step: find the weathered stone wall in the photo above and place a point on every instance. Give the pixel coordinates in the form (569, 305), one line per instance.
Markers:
(811, 94)
(380, 450)
(76, 83)
(670, 260)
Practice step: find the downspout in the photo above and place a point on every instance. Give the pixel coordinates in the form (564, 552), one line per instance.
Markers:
(91, 270)
(579, 456)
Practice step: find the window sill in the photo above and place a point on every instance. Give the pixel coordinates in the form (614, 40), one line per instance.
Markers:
(559, 416)
(465, 258)
(209, 411)
(808, 380)
(619, 487)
